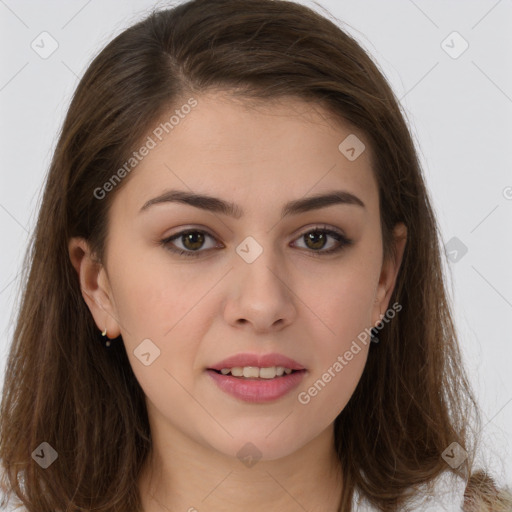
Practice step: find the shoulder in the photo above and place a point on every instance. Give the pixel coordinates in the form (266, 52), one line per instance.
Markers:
(445, 494)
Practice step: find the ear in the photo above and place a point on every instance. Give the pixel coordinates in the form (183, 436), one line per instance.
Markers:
(389, 273)
(95, 286)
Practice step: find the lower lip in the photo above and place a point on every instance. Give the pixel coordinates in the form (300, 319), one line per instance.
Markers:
(257, 390)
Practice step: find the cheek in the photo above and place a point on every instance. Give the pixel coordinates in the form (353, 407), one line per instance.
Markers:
(153, 294)
(160, 312)
(344, 305)
(343, 299)
(327, 392)
(341, 350)
(158, 309)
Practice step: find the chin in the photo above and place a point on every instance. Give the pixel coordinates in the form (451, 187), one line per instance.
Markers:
(253, 446)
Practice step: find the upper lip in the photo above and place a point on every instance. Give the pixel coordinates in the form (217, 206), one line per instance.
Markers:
(259, 360)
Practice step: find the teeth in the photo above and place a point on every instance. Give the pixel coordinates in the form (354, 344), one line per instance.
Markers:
(266, 373)
(253, 372)
(237, 371)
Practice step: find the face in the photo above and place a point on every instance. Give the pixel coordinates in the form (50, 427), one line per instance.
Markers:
(261, 274)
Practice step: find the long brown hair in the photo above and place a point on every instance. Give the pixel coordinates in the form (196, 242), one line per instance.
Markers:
(63, 388)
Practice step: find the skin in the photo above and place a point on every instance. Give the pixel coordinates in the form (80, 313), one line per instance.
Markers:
(198, 311)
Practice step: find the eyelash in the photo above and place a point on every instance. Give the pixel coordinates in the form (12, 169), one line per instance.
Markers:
(342, 239)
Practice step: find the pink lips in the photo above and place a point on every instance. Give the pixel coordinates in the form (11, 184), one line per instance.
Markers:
(257, 390)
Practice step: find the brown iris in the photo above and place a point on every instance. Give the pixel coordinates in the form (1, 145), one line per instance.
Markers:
(317, 238)
(193, 240)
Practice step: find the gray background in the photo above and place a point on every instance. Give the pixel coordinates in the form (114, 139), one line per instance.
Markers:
(459, 110)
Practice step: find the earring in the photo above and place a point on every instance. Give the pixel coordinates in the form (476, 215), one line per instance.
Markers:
(373, 335)
(104, 333)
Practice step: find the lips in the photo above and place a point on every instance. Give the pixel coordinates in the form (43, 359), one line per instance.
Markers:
(257, 390)
(258, 360)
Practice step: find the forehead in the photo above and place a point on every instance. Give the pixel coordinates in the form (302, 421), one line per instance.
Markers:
(282, 147)
(256, 127)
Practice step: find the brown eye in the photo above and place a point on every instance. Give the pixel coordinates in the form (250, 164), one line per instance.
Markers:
(316, 239)
(192, 242)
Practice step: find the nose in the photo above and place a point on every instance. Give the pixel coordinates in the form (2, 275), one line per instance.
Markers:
(259, 296)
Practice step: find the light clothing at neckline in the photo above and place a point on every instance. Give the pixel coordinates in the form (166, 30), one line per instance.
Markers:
(447, 496)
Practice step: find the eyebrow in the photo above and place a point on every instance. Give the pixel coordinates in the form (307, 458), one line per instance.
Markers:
(216, 205)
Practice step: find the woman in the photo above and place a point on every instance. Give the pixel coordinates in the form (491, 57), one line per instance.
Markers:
(262, 346)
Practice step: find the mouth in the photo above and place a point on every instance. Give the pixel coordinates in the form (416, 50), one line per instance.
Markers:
(255, 383)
